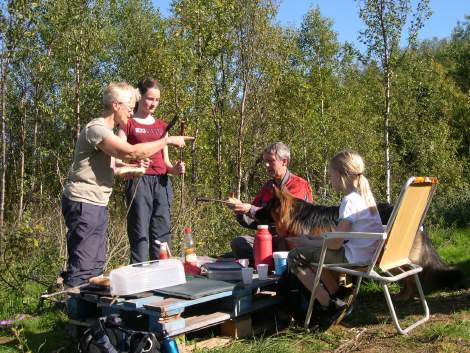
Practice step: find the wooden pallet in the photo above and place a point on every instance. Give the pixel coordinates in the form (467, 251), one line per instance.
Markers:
(155, 312)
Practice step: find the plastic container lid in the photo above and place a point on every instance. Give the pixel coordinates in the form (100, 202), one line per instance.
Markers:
(262, 226)
(188, 230)
(146, 276)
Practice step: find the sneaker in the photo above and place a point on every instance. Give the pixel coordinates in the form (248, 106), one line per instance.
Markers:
(343, 292)
(349, 311)
(346, 294)
(333, 314)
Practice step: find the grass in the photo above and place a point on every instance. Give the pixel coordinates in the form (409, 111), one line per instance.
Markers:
(453, 245)
(368, 329)
(42, 333)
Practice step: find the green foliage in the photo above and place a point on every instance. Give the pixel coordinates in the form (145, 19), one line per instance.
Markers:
(301, 86)
(29, 256)
(452, 208)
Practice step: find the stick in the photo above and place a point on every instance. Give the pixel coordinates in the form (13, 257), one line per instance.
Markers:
(49, 295)
(171, 123)
(350, 345)
(207, 199)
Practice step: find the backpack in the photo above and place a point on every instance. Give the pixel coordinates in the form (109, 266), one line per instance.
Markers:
(107, 335)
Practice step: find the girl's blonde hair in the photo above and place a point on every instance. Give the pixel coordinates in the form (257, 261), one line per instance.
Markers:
(350, 165)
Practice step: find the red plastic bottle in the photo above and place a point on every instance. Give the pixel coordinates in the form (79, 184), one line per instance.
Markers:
(164, 251)
(263, 247)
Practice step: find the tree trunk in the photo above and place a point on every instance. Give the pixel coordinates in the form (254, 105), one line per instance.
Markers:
(36, 157)
(4, 63)
(77, 97)
(218, 149)
(22, 161)
(386, 139)
(198, 104)
(241, 128)
(218, 119)
(387, 90)
(194, 160)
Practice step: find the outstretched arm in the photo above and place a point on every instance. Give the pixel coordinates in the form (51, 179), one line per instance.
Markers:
(116, 147)
(244, 212)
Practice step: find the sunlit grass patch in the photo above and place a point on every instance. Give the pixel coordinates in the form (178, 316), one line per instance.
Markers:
(452, 245)
(292, 340)
(459, 329)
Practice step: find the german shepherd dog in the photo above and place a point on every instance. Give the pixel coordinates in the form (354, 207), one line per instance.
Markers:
(294, 217)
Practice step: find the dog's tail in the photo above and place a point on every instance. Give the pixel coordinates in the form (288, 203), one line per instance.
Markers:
(436, 273)
(443, 278)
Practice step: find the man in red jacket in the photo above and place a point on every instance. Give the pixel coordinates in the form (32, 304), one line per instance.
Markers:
(276, 158)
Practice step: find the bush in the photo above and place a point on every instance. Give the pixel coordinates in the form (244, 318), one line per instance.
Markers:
(451, 209)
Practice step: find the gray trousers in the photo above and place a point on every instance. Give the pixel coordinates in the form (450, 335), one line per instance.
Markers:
(303, 257)
(86, 240)
(243, 247)
(148, 219)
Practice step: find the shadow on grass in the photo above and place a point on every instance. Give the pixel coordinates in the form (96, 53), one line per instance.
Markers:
(370, 307)
(465, 267)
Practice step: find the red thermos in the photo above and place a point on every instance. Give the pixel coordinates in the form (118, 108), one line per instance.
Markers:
(263, 247)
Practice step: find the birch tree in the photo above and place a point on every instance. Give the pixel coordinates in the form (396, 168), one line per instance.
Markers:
(386, 21)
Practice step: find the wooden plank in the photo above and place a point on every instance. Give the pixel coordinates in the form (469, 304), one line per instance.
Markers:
(140, 302)
(176, 324)
(201, 321)
(238, 327)
(166, 305)
(211, 343)
(159, 304)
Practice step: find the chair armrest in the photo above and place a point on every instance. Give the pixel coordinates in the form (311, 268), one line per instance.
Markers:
(356, 235)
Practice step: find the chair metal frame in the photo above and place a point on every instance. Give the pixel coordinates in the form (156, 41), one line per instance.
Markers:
(385, 258)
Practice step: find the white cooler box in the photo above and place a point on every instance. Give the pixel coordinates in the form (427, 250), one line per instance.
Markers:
(146, 276)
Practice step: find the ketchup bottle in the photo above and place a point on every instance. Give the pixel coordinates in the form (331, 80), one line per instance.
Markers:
(263, 247)
(164, 251)
(190, 258)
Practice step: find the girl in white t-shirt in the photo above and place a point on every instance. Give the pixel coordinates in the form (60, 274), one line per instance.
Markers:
(357, 213)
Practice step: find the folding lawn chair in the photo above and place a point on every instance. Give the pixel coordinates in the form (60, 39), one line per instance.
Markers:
(392, 254)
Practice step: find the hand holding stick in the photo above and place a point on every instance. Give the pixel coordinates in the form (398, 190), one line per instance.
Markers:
(234, 204)
(207, 199)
